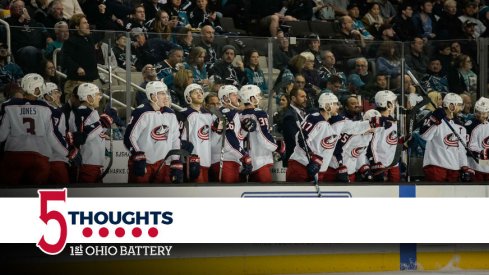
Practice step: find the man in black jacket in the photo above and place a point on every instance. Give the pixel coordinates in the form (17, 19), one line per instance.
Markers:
(294, 113)
(78, 55)
(224, 68)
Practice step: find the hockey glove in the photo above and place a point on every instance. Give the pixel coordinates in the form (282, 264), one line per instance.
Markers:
(76, 139)
(113, 114)
(139, 163)
(467, 174)
(439, 114)
(378, 172)
(484, 154)
(365, 173)
(217, 126)
(176, 171)
(74, 157)
(376, 122)
(106, 121)
(193, 167)
(280, 151)
(248, 124)
(314, 165)
(187, 146)
(342, 174)
(246, 164)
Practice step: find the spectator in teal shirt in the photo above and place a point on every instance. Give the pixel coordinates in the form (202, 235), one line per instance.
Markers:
(254, 74)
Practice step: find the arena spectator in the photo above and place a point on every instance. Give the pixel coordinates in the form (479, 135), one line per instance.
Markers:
(62, 34)
(254, 74)
(207, 42)
(225, 69)
(402, 23)
(417, 58)
(196, 63)
(161, 26)
(424, 20)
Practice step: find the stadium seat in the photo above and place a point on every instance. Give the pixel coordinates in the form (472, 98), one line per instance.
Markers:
(324, 29)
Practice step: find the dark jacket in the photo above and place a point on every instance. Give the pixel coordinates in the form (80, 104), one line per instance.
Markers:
(79, 52)
(289, 130)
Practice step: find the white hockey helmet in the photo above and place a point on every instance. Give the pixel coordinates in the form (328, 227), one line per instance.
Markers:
(32, 83)
(370, 114)
(248, 91)
(86, 89)
(154, 87)
(482, 105)
(50, 87)
(226, 90)
(327, 99)
(190, 88)
(382, 98)
(452, 98)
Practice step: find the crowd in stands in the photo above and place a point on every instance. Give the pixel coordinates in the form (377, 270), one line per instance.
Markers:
(181, 42)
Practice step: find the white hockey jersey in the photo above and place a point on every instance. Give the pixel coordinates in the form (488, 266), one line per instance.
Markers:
(27, 126)
(442, 146)
(153, 132)
(478, 140)
(59, 123)
(384, 144)
(321, 136)
(260, 141)
(93, 151)
(352, 152)
(198, 125)
(233, 141)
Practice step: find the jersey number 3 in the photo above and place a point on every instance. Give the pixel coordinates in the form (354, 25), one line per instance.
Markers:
(31, 128)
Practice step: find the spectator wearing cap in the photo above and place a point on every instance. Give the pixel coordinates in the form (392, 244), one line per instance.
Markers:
(148, 51)
(354, 13)
(9, 72)
(402, 23)
(207, 34)
(78, 55)
(62, 34)
(469, 14)
(314, 47)
(424, 20)
(166, 69)
(435, 77)
(449, 26)
(224, 68)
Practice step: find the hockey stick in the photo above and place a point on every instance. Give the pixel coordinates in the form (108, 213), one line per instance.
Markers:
(187, 170)
(316, 184)
(222, 118)
(470, 153)
(174, 152)
(111, 140)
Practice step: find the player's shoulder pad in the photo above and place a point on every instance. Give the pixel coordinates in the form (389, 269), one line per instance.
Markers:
(471, 124)
(260, 113)
(248, 112)
(314, 118)
(335, 119)
(167, 110)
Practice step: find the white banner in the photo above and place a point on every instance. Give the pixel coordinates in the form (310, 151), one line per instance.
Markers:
(242, 220)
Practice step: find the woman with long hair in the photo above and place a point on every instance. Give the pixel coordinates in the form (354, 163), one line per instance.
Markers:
(253, 72)
(196, 63)
(182, 79)
(160, 26)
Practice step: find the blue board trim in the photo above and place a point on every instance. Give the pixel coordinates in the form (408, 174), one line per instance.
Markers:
(407, 251)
